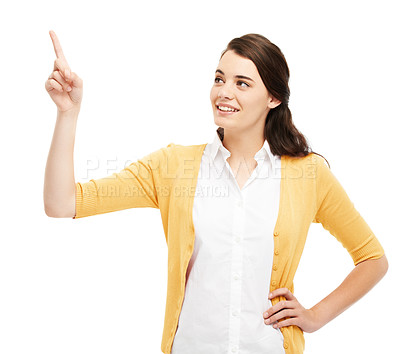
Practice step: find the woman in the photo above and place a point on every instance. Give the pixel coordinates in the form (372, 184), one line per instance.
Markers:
(232, 252)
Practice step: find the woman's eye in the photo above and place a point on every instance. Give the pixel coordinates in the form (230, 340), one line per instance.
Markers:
(217, 80)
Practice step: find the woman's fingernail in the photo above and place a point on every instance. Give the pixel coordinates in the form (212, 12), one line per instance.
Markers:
(69, 88)
(269, 296)
(267, 321)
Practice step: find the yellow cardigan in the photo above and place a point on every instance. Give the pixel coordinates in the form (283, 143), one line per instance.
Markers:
(166, 179)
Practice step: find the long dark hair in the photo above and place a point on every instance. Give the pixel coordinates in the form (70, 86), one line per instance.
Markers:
(279, 130)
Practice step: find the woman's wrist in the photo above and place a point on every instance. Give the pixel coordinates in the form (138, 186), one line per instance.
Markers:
(320, 317)
(72, 113)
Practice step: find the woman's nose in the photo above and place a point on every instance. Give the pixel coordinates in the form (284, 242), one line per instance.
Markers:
(225, 92)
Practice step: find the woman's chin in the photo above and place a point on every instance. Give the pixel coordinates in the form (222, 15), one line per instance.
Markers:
(223, 121)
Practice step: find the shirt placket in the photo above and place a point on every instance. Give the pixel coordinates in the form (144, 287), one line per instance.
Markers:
(236, 272)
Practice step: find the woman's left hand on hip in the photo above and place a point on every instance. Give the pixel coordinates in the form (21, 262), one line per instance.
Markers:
(292, 310)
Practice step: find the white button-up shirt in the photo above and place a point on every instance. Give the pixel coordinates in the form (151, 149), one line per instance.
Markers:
(228, 276)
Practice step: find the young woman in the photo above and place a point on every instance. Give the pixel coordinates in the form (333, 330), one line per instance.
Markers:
(235, 211)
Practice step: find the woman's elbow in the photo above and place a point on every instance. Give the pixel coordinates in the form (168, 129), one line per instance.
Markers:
(381, 265)
(378, 266)
(384, 264)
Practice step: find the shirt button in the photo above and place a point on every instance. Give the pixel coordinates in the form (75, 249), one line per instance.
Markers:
(276, 233)
(234, 349)
(276, 252)
(275, 267)
(236, 276)
(235, 313)
(237, 239)
(239, 203)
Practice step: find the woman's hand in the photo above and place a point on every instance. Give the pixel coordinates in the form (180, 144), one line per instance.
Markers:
(64, 87)
(293, 311)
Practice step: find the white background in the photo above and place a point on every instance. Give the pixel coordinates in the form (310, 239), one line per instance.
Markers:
(98, 284)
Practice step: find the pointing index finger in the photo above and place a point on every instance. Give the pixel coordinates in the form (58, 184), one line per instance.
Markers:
(57, 45)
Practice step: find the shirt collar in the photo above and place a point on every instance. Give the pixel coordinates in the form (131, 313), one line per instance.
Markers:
(264, 152)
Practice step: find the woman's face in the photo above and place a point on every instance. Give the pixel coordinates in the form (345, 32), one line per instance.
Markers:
(238, 85)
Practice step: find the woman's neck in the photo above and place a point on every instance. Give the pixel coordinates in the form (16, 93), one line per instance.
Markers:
(242, 146)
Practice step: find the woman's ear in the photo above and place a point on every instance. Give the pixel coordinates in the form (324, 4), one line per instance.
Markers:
(273, 102)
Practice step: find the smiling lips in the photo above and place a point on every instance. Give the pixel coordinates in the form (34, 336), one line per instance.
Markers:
(226, 108)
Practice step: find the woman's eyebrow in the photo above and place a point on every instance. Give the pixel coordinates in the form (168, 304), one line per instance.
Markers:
(237, 76)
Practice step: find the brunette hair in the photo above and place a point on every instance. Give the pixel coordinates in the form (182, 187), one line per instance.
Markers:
(283, 137)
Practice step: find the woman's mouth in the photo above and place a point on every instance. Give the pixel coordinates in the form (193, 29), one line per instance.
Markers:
(226, 110)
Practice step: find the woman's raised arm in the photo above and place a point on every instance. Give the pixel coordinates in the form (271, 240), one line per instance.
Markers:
(65, 89)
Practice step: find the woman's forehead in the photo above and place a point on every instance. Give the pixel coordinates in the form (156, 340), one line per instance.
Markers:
(232, 64)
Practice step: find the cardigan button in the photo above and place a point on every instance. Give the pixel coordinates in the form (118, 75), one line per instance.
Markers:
(275, 267)
(285, 345)
(276, 233)
(273, 283)
(276, 252)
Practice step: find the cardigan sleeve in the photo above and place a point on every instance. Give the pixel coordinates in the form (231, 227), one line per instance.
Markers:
(337, 214)
(133, 187)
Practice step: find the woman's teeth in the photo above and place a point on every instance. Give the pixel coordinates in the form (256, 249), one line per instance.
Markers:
(227, 109)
